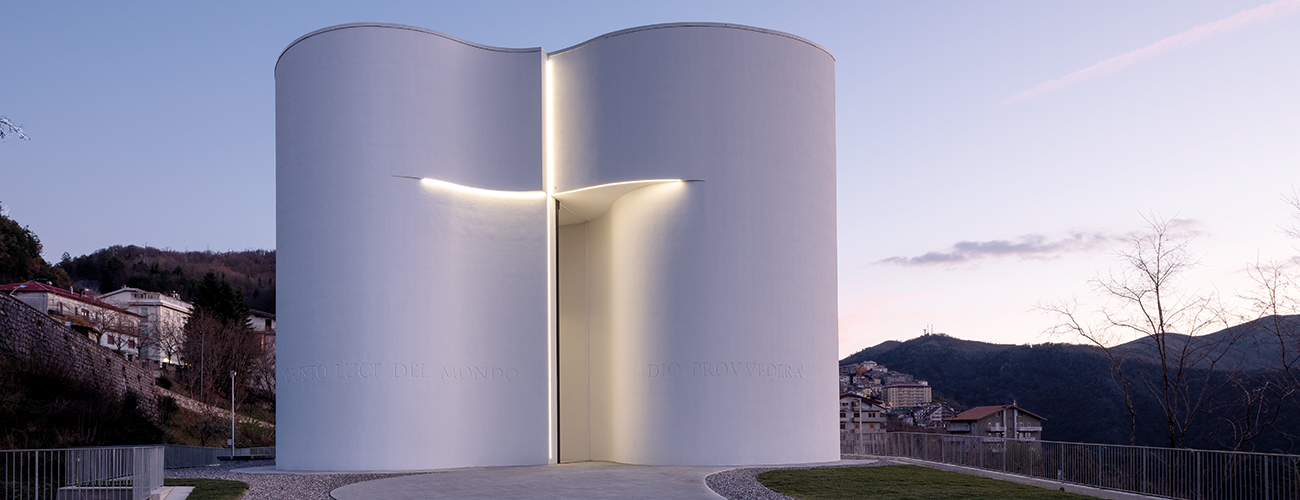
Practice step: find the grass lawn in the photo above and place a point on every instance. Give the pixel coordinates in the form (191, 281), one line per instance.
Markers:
(210, 489)
(898, 482)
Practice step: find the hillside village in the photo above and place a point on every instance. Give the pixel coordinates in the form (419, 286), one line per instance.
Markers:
(875, 400)
(140, 325)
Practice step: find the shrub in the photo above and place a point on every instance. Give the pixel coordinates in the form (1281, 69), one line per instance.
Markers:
(167, 408)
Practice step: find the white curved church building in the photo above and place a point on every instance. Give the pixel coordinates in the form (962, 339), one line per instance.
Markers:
(622, 251)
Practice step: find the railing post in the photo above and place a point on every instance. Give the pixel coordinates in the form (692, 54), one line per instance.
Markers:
(1144, 470)
(1062, 470)
(1266, 483)
(1198, 474)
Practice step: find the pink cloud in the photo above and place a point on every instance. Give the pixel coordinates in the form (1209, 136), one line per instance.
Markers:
(1237, 21)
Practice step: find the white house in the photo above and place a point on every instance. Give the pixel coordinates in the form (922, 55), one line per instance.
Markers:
(862, 424)
(112, 326)
(162, 324)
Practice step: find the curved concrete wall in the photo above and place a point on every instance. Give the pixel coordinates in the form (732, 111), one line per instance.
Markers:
(710, 306)
(413, 317)
(419, 322)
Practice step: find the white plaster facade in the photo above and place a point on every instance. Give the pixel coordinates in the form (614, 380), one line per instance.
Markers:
(554, 257)
(162, 323)
(111, 326)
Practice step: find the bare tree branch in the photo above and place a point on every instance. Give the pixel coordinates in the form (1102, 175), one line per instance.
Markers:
(1147, 306)
(8, 128)
(1070, 325)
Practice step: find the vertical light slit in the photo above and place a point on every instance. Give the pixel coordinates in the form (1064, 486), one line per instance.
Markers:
(552, 240)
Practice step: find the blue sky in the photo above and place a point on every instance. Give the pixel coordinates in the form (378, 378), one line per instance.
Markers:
(970, 186)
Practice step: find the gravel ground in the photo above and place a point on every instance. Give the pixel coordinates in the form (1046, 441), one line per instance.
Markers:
(742, 484)
(271, 486)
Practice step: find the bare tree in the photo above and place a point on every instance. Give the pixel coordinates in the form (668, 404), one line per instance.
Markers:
(8, 128)
(168, 334)
(1255, 405)
(1275, 305)
(261, 370)
(1167, 326)
(1105, 338)
(118, 329)
(225, 346)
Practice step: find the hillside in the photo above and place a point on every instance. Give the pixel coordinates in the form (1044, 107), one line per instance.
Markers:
(1068, 384)
(1249, 345)
(1071, 385)
(251, 272)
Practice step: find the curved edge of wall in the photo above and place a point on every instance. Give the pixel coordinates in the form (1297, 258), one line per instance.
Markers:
(710, 308)
(412, 319)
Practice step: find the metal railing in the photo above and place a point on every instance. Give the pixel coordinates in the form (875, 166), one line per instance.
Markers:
(1161, 472)
(126, 472)
(255, 452)
(180, 456)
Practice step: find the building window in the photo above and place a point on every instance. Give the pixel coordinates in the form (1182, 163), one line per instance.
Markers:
(144, 311)
(841, 425)
(857, 426)
(112, 340)
(131, 344)
(841, 414)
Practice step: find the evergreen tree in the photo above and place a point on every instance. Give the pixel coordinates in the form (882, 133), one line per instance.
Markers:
(110, 276)
(216, 297)
(219, 338)
(20, 256)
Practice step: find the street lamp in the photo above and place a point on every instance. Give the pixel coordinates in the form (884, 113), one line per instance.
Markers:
(232, 415)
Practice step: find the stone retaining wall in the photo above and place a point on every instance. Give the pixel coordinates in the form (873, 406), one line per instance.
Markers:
(44, 344)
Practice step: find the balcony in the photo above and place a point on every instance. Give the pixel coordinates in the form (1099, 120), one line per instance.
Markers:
(1029, 428)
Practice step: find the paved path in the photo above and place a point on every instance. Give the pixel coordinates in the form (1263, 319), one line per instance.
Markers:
(585, 480)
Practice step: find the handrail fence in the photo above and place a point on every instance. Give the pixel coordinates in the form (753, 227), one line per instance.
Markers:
(127, 472)
(1183, 474)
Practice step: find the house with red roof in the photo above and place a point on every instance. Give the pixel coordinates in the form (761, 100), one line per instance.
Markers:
(1002, 421)
(111, 326)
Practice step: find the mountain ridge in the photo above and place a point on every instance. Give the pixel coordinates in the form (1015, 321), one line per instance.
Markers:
(1072, 385)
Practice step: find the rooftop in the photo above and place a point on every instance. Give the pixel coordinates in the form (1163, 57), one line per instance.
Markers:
(35, 287)
(979, 412)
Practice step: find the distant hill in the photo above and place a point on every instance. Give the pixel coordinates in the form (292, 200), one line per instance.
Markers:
(1249, 345)
(1071, 385)
(1068, 384)
(251, 272)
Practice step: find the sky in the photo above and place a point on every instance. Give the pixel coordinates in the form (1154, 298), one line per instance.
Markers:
(992, 155)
